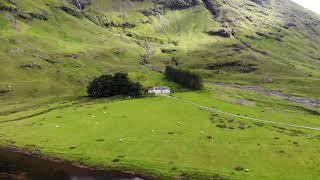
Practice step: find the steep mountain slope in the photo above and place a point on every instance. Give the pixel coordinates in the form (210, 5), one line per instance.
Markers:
(54, 47)
(256, 57)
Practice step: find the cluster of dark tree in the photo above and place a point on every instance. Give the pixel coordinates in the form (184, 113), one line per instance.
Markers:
(185, 78)
(112, 85)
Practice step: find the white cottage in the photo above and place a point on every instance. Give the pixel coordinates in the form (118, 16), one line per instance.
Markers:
(159, 90)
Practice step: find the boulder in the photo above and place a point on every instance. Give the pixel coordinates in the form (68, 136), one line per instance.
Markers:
(223, 32)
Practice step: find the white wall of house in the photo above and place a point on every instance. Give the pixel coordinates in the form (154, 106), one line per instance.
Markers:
(166, 91)
(159, 91)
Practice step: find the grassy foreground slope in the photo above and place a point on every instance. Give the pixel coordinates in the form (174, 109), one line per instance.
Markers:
(165, 137)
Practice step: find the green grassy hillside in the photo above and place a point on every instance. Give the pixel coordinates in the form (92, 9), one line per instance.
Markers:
(264, 53)
(50, 48)
(58, 56)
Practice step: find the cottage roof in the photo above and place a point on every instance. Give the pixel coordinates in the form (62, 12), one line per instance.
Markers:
(160, 88)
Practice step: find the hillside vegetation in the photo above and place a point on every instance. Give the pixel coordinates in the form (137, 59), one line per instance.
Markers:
(256, 117)
(52, 48)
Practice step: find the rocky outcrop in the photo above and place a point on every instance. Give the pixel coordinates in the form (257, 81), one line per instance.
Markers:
(152, 11)
(177, 4)
(233, 65)
(120, 25)
(43, 15)
(29, 16)
(40, 14)
(212, 7)
(270, 35)
(223, 32)
(71, 11)
(31, 66)
(262, 2)
(296, 18)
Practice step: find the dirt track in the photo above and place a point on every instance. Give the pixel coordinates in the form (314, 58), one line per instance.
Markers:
(244, 117)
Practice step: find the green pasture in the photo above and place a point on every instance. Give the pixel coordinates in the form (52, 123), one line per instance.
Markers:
(165, 137)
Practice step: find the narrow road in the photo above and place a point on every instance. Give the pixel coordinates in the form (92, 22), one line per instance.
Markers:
(243, 117)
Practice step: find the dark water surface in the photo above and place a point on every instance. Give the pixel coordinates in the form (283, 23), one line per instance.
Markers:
(17, 166)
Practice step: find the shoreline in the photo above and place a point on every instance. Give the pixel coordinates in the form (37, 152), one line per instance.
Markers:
(73, 166)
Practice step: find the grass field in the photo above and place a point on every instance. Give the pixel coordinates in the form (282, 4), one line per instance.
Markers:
(165, 137)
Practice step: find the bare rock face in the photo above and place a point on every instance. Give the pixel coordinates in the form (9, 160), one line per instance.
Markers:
(212, 7)
(297, 18)
(80, 4)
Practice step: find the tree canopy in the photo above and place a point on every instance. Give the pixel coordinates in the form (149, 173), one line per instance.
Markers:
(112, 85)
(185, 78)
